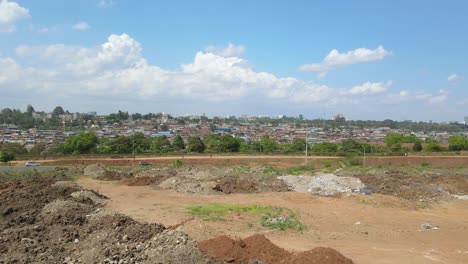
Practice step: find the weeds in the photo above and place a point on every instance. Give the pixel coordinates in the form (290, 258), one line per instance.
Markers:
(270, 216)
(177, 163)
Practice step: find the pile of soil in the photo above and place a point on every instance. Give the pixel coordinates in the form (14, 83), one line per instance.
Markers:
(47, 220)
(142, 181)
(112, 176)
(221, 181)
(253, 184)
(427, 186)
(258, 249)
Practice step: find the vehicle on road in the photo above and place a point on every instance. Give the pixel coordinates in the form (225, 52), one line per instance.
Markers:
(31, 164)
(144, 164)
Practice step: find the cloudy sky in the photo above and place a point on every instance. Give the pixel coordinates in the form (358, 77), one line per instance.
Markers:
(366, 59)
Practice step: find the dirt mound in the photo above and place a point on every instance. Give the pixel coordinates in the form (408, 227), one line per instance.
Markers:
(235, 184)
(45, 221)
(325, 184)
(221, 180)
(89, 197)
(424, 186)
(94, 170)
(112, 176)
(258, 249)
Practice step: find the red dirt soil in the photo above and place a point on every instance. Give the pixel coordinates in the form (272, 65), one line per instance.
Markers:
(259, 248)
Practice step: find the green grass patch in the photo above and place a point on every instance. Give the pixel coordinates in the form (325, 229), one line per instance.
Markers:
(271, 217)
(296, 170)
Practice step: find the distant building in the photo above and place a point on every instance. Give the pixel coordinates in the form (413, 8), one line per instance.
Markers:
(466, 121)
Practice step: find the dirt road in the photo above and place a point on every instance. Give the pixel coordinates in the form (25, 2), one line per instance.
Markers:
(253, 160)
(367, 229)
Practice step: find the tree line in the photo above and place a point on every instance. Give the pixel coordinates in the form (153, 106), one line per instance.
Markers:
(89, 143)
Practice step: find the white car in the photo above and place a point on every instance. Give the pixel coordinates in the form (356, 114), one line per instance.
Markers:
(31, 164)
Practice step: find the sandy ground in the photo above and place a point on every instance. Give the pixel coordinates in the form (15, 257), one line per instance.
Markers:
(367, 229)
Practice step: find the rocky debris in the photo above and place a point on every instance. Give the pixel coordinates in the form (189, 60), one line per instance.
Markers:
(221, 180)
(461, 197)
(258, 249)
(423, 186)
(325, 184)
(427, 226)
(65, 184)
(88, 197)
(48, 222)
(94, 170)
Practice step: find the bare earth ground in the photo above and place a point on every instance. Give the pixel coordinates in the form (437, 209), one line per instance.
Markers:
(367, 229)
(280, 161)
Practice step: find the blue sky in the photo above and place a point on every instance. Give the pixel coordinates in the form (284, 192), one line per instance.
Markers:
(365, 59)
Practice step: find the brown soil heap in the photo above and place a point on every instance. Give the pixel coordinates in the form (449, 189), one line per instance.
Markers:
(41, 221)
(425, 186)
(258, 249)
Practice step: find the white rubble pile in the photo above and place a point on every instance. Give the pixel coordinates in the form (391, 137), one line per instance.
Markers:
(325, 184)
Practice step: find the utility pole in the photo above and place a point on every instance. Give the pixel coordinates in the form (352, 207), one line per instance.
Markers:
(133, 145)
(364, 161)
(307, 143)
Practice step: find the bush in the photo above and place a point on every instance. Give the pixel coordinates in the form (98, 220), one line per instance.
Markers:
(425, 164)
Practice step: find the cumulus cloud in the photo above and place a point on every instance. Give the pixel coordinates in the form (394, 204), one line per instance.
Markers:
(10, 12)
(81, 26)
(454, 78)
(432, 98)
(117, 70)
(370, 88)
(230, 51)
(335, 59)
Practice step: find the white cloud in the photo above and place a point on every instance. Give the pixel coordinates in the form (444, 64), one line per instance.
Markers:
(116, 71)
(336, 59)
(370, 88)
(230, 51)
(81, 26)
(10, 12)
(430, 98)
(106, 3)
(454, 78)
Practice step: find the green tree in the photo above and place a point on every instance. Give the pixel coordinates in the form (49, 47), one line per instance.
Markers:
(349, 146)
(161, 145)
(417, 147)
(433, 147)
(58, 111)
(140, 142)
(84, 142)
(178, 143)
(325, 147)
(121, 144)
(268, 145)
(30, 110)
(6, 156)
(195, 144)
(15, 148)
(457, 143)
(229, 144)
(298, 144)
(38, 149)
(394, 141)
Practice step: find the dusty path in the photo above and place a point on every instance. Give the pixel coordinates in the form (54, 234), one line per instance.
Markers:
(254, 160)
(388, 231)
